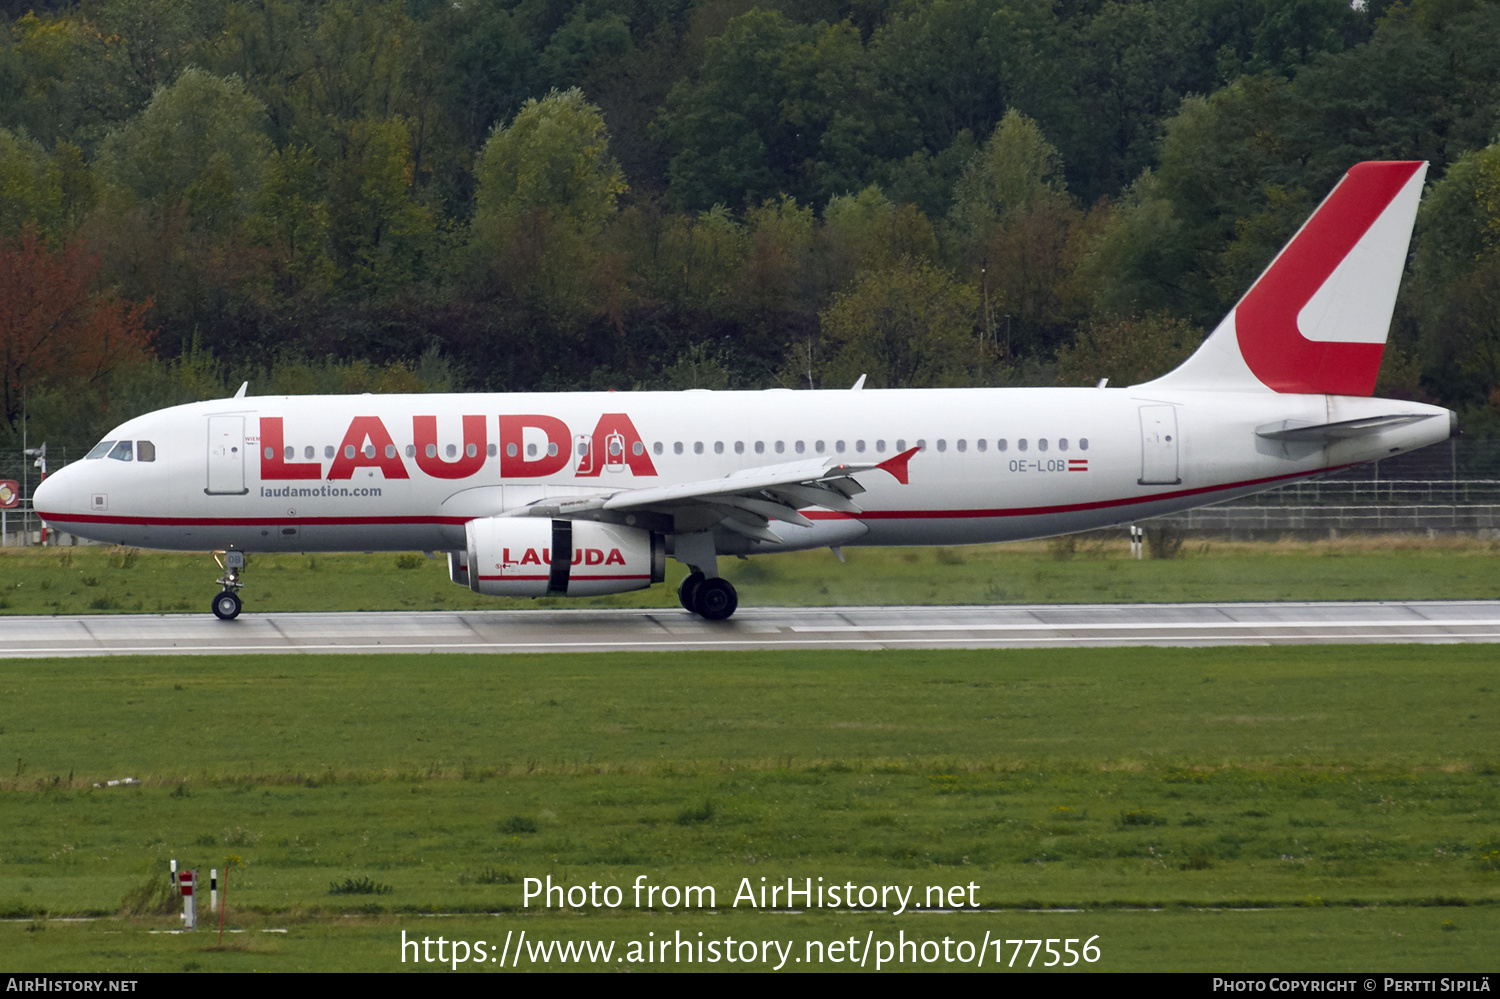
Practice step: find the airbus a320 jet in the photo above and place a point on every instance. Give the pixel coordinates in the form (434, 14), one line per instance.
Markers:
(587, 493)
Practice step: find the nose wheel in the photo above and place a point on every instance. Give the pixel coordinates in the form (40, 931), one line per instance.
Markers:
(226, 606)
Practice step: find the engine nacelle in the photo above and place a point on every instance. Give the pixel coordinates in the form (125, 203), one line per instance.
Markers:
(526, 557)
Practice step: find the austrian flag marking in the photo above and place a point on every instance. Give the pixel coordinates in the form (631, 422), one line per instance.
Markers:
(1078, 464)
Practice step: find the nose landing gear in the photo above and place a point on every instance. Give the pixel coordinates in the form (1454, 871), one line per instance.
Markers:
(226, 606)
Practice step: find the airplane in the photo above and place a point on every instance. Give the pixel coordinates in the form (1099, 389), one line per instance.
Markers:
(586, 493)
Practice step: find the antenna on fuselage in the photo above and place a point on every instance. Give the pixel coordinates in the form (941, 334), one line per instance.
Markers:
(241, 393)
(858, 385)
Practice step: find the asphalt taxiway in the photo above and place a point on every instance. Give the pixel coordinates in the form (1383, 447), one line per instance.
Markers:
(659, 630)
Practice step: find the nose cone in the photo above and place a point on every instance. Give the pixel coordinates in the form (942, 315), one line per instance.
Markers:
(52, 498)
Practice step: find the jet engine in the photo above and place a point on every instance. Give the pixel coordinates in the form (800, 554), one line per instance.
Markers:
(525, 557)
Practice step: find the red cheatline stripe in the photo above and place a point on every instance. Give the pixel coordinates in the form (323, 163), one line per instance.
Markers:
(1037, 511)
(89, 518)
(1024, 511)
(572, 577)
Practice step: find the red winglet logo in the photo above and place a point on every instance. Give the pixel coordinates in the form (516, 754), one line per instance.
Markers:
(1266, 318)
(897, 465)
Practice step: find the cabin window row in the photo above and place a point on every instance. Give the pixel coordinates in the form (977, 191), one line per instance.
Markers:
(121, 449)
(840, 447)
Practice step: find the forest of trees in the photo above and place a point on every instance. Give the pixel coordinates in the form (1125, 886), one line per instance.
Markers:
(331, 195)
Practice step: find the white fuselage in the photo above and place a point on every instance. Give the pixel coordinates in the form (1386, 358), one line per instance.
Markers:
(995, 464)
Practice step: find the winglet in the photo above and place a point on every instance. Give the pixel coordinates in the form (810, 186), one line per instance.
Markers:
(897, 465)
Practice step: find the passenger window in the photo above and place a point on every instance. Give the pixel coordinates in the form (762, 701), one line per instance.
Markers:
(432, 450)
(123, 451)
(583, 448)
(491, 450)
(981, 444)
(1083, 443)
(859, 446)
(677, 448)
(697, 447)
(531, 450)
(718, 447)
(921, 444)
(471, 450)
(657, 448)
(780, 447)
(800, 447)
(760, 447)
(1021, 444)
(839, 447)
(739, 447)
(1062, 443)
(288, 453)
(1001, 445)
(328, 451)
(100, 450)
(942, 445)
(451, 451)
(636, 448)
(510, 450)
(145, 451)
(1041, 445)
(348, 450)
(552, 450)
(880, 447)
(818, 447)
(963, 445)
(308, 452)
(390, 450)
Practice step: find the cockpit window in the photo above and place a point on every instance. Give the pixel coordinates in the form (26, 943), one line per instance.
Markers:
(122, 451)
(100, 450)
(145, 451)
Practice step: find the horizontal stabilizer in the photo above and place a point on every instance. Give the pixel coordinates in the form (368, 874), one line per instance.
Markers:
(1297, 430)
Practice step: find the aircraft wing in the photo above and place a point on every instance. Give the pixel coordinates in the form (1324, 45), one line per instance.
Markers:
(744, 501)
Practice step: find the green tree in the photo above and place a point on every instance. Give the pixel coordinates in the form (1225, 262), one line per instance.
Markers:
(546, 187)
(199, 143)
(52, 192)
(905, 326)
(553, 158)
(1127, 351)
(1016, 169)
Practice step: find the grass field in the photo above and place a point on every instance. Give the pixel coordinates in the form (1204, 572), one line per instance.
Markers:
(104, 580)
(1275, 809)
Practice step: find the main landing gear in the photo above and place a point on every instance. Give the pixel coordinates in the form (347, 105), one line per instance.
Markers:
(714, 599)
(226, 605)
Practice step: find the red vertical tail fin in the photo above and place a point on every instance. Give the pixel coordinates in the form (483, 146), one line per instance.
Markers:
(1316, 319)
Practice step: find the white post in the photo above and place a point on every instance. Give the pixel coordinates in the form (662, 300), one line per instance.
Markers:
(189, 900)
(213, 889)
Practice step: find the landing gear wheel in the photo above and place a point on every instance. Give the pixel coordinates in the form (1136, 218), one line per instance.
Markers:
(688, 591)
(715, 599)
(227, 606)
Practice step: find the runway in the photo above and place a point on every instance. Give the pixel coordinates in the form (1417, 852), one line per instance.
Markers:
(658, 630)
